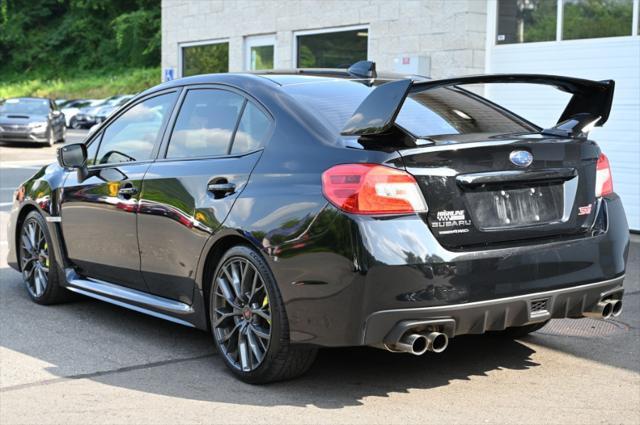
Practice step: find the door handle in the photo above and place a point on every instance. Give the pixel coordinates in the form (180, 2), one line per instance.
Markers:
(221, 189)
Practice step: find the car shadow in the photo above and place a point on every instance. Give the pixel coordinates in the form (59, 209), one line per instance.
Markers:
(23, 145)
(87, 339)
(339, 378)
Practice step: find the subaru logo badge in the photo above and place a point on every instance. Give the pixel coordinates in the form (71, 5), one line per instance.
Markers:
(521, 158)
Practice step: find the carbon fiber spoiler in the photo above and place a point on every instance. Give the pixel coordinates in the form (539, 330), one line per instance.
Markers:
(590, 103)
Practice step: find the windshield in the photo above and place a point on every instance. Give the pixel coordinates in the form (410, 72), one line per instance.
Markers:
(437, 112)
(25, 106)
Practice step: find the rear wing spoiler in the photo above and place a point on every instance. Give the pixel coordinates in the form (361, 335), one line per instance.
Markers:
(589, 105)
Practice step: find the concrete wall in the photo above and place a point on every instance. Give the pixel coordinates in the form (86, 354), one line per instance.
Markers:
(451, 32)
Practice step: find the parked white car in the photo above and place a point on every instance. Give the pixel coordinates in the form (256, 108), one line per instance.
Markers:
(71, 109)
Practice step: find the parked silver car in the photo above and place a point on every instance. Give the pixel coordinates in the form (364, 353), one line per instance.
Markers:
(32, 120)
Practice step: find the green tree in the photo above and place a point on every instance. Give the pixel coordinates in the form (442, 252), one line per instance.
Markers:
(55, 38)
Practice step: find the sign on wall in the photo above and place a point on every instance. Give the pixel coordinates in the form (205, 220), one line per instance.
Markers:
(168, 74)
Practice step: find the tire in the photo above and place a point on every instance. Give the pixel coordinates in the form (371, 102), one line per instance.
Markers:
(521, 331)
(39, 263)
(63, 135)
(52, 137)
(239, 330)
(74, 124)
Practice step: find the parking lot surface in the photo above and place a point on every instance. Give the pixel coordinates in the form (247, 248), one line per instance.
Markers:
(91, 362)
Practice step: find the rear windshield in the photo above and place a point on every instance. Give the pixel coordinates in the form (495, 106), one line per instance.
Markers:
(438, 112)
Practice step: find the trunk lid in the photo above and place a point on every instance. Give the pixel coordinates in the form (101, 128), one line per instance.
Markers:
(477, 195)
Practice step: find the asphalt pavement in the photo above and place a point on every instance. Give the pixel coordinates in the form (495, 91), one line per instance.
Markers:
(91, 362)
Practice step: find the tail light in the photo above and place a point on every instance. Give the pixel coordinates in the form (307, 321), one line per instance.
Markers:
(372, 189)
(604, 182)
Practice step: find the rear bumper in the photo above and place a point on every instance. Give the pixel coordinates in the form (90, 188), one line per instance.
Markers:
(499, 314)
(396, 270)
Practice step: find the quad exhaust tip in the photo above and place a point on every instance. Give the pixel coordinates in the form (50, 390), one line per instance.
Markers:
(415, 344)
(616, 308)
(438, 342)
(418, 344)
(605, 309)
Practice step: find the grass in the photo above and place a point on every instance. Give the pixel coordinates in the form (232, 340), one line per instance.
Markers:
(82, 86)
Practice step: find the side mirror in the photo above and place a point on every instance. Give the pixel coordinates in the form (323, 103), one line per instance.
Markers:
(73, 156)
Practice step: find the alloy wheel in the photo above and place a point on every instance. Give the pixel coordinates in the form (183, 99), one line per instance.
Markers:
(242, 314)
(34, 257)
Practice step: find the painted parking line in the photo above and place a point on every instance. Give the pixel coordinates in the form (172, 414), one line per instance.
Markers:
(27, 165)
(20, 167)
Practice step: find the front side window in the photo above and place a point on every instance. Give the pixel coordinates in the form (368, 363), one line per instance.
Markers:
(252, 131)
(205, 59)
(205, 124)
(92, 150)
(593, 19)
(525, 21)
(332, 49)
(132, 136)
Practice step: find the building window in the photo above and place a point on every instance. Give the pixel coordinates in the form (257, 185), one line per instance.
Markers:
(593, 19)
(524, 21)
(205, 59)
(331, 49)
(260, 52)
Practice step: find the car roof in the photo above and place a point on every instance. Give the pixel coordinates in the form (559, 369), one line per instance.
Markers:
(280, 78)
(312, 75)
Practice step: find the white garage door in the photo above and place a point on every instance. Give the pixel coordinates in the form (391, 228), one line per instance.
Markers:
(616, 58)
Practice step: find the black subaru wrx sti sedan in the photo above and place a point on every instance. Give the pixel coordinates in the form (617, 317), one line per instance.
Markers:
(288, 211)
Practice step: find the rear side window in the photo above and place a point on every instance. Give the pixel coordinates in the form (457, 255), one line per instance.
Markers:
(442, 111)
(252, 131)
(205, 124)
(132, 136)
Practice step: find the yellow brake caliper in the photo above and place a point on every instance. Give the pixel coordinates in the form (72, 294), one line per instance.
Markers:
(265, 303)
(46, 248)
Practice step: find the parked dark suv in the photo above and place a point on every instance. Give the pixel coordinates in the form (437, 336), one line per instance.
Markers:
(289, 211)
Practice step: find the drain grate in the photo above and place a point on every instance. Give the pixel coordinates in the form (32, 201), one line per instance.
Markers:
(584, 327)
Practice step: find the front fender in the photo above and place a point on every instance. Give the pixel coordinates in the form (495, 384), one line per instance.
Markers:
(41, 193)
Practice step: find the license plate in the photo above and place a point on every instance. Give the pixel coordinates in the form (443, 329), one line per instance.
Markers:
(516, 207)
